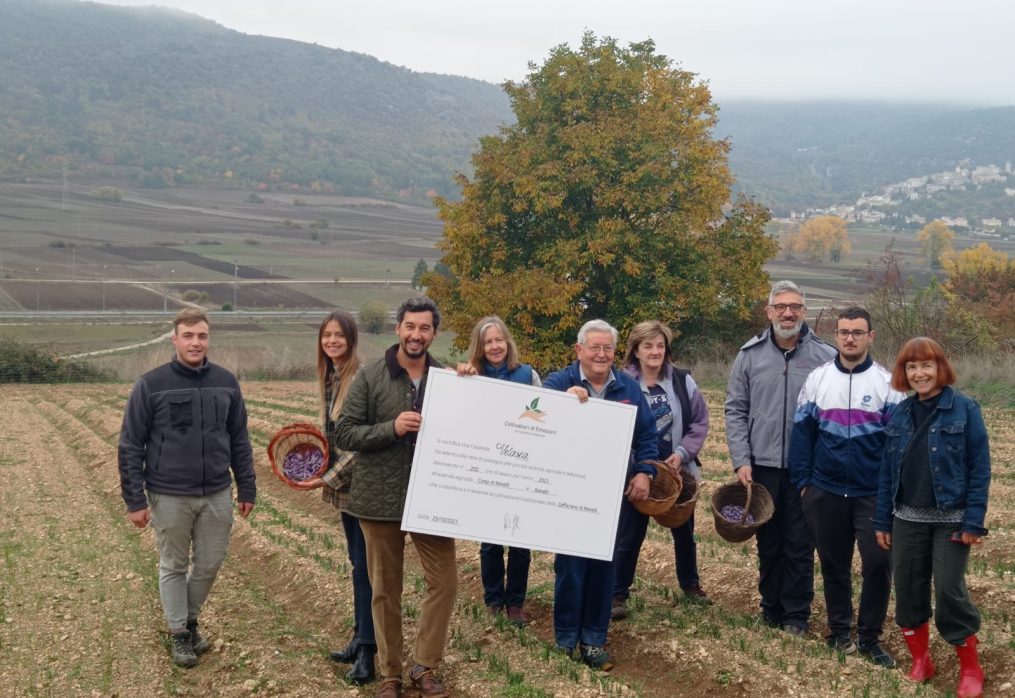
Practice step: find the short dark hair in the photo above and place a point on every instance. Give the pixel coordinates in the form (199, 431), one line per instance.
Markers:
(855, 312)
(921, 349)
(419, 304)
(190, 316)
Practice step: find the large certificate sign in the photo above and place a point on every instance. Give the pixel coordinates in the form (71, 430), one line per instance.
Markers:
(507, 463)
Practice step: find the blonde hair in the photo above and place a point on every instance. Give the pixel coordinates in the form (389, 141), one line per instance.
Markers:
(326, 369)
(476, 354)
(641, 332)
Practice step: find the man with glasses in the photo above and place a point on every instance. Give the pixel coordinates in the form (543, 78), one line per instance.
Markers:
(761, 395)
(583, 588)
(834, 460)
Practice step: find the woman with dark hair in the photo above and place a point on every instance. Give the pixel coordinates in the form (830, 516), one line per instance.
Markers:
(932, 501)
(682, 425)
(337, 364)
(492, 353)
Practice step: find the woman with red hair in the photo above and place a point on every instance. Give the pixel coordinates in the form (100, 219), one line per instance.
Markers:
(932, 501)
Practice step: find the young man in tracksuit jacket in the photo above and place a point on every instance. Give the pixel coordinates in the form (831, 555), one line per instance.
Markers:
(834, 461)
(583, 588)
(184, 431)
(760, 401)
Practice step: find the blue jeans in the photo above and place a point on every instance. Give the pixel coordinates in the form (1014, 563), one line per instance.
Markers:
(630, 536)
(491, 566)
(582, 592)
(362, 594)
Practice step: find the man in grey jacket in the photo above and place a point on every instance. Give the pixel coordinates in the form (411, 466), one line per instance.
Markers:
(184, 430)
(761, 398)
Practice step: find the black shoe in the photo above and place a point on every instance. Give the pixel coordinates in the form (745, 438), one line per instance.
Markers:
(797, 629)
(769, 621)
(183, 650)
(199, 641)
(346, 655)
(695, 594)
(363, 669)
(873, 652)
(619, 609)
(841, 643)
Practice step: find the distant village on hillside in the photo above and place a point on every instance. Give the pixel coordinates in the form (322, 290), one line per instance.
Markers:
(877, 208)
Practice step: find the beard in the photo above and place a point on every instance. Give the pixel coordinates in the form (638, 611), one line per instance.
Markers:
(790, 333)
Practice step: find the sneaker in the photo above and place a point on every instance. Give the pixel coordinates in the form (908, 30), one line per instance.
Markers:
(516, 614)
(619, 609)
(390, 688)
(199, 641)
(695, 594)
(795, 629)
(842, 644)
(876, 654)
(425, 681)
(568, 651)
(183, 650)
(596, 658)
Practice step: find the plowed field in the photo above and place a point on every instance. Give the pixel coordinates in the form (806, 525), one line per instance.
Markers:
(80, 613)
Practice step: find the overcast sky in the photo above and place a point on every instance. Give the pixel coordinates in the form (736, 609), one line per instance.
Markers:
(925, 50)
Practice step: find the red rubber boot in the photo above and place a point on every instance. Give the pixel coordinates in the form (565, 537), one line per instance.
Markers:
(970, 672)
(918, 641)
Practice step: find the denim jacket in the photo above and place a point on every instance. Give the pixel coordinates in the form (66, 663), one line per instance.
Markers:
(959, 460)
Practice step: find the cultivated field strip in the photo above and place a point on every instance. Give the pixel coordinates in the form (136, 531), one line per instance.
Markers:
(284, 597)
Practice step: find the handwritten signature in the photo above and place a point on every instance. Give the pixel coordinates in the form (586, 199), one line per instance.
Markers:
(511, 522)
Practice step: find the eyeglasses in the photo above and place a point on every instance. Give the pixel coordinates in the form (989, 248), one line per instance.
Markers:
(606, 349)
(855, 334)
(783, 307)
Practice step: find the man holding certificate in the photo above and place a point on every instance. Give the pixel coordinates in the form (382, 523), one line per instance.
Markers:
(583, 589)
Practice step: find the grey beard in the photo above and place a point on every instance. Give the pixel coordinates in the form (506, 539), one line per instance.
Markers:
(787, 334)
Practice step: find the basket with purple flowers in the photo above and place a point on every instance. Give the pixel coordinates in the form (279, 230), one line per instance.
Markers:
(298, 453)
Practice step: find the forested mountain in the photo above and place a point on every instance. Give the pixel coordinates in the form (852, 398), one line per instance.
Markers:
(163, 97)
(811, 154)
(158, 97)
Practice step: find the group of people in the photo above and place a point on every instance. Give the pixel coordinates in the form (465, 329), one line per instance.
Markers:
(845, 456)
(850, 461)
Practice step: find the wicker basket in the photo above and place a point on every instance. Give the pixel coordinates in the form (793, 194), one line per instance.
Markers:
(683, 507)
(299, 436)
(756, 501)
(663, 491)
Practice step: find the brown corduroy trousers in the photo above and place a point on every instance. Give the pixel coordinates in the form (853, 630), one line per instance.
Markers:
(385, 542)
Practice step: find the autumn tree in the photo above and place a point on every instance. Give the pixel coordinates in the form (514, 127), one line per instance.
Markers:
(935, 240)
(609, 197)
(982, 280)
(822, 238)
(417, 274)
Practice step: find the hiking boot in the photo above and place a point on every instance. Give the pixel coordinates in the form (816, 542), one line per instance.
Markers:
(183, 650)
(199, 641)
(695, 594)
(390, 688)
(425, 681)
(596, 658)
(619, 609)
(873, 652)
(516, 614)
(842, 644)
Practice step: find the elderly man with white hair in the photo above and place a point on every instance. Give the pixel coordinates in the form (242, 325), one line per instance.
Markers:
(583, 588)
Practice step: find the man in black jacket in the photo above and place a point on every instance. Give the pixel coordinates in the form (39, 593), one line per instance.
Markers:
(184, 430)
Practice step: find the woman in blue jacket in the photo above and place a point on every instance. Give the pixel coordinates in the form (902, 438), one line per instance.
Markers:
(932, 501)
(492, 353)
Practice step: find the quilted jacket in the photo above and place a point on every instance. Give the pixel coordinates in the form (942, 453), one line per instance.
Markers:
(378, 394)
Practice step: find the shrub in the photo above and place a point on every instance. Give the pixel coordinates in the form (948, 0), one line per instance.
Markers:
(194, 296)
(111, 194)
(373, 316)
(20, 363)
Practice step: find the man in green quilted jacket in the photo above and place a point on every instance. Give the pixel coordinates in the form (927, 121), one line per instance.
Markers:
(380, 420)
